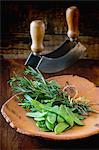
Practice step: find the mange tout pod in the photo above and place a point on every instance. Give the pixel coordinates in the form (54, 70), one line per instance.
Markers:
(15, 114)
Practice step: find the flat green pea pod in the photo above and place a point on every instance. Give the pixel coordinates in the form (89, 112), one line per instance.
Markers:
(45, 129)
(80, 116)
(61, 111)
(36, 114)
(51, 117)
(60, 119)
(68, 118)
(54, 109)
(75, 118)
(49, 125)
(39, 119)
(59, 128)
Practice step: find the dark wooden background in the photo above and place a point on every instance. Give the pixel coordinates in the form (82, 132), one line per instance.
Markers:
(16, 17)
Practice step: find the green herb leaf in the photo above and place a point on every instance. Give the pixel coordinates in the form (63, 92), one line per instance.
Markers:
(37, 105)
(28, 97)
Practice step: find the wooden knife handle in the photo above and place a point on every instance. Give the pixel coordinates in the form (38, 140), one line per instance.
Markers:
(72, 18)
(37, 31)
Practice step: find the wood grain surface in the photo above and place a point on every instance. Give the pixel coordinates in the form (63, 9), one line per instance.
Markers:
(11, 140)
(15, 34)
(19, 46)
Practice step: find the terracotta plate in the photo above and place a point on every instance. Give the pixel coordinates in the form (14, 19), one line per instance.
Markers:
(15, 115)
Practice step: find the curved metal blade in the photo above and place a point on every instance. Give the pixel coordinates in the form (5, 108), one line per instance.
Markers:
(60, 51)
(52, 65)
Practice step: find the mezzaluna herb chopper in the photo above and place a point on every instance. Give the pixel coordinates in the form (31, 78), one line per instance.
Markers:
(65, 55)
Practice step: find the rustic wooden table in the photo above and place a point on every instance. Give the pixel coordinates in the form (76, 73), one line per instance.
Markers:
(11, 140)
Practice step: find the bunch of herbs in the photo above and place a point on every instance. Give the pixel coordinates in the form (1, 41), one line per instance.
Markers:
(52, 108)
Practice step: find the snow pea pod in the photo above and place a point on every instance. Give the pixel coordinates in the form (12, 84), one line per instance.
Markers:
(39, 119)
(36, 114)
(62, 112)
(60, 119)
(49, 125)
(68, 118)
(75, 118)
(59, 128)
(51, 117)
